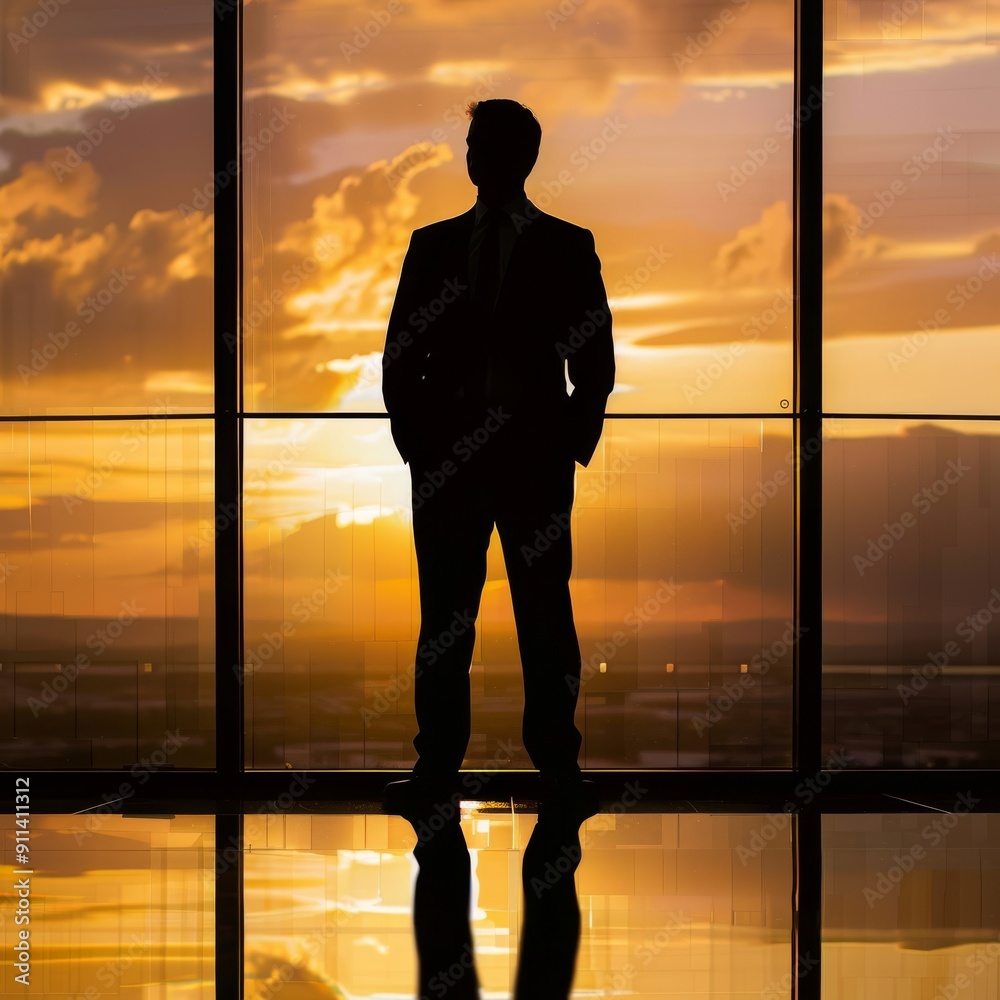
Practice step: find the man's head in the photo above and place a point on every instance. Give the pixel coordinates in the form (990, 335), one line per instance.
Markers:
(504, 137)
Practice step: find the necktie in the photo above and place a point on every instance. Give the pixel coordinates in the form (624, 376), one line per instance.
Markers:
(488, 270)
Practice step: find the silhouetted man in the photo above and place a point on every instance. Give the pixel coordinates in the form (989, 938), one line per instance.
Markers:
(494, 308)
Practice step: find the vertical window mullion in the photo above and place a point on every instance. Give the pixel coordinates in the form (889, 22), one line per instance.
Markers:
(228, 520)
(808, 276)
(228, 907)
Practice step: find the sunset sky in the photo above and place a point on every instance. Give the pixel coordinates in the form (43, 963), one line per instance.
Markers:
(368, 143)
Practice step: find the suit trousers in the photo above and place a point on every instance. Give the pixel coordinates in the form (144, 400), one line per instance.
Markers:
(526, 488)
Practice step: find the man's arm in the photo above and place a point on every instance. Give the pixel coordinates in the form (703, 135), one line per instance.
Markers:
(591, 363)
(401, 357)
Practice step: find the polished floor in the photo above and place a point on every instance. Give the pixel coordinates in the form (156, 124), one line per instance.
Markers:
(670, 906)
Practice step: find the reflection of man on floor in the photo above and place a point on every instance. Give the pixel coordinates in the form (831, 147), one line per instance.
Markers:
(494, 309)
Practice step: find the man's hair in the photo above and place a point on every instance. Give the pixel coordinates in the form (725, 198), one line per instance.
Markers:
(512, 119)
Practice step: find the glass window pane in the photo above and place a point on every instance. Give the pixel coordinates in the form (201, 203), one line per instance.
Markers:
(667, 131)
(682, 588)
(105, 149)
(107, 637)
(910, 904)
(119, 906)
(669, 904)
(911, 153)
(911, 592)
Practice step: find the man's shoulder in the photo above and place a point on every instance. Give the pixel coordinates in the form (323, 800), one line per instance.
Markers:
(445, 227)
(551, 226)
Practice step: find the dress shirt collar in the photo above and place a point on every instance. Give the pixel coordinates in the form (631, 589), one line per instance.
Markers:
(518, 204)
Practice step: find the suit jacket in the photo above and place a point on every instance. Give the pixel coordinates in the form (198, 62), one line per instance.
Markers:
(448, 364)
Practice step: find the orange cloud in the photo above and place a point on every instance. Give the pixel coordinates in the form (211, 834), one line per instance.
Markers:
(166, 247)
(761, 252)
(71, 256)
(343, 265)
(160, 248)
(843, 244)
(38, 193)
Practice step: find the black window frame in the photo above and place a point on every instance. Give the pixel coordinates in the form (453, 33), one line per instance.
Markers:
(229, 791)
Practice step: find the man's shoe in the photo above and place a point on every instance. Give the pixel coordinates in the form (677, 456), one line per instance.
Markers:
(418, 798)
